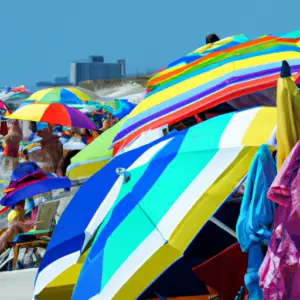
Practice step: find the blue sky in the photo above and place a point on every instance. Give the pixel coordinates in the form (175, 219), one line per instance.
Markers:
(40, 38)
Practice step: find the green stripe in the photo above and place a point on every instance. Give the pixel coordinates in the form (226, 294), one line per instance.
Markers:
(207, 136)
(51, 96)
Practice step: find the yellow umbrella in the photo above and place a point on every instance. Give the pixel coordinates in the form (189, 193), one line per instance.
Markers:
(288, 114)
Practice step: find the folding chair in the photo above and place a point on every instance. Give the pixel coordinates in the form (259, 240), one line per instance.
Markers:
(39, 237)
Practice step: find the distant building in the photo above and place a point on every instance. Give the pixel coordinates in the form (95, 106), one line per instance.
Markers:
(61, 81)
(95, 68)
(44, 84)
(58, 81)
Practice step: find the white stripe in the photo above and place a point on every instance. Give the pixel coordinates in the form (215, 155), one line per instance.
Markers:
(137, 259)
(168, 224)
(236, 128)
(102, 210)
(217, 165)
(54, 269)
(148, 155)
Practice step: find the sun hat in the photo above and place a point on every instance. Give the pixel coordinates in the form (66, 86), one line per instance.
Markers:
(28, 180)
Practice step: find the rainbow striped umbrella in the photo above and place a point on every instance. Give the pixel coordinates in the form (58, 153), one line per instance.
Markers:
(177, 181)
(64, 95)
(211, 75)
(57, 114)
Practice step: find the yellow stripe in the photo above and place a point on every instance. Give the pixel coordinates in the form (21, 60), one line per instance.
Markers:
(81, 95)
(86, 170)
(193, 82)
(157, 264)
(261, 127)
(39, 94)
(207, 205)
(31, 112)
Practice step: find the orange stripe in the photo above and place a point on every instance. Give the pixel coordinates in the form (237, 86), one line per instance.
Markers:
(262, 40)
(224, 95)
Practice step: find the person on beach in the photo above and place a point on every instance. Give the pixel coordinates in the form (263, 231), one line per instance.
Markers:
(108, 122)
(86, 136)
(98, 117)
(16, 227)
(12, 142)
(65, 162)
(51, 147)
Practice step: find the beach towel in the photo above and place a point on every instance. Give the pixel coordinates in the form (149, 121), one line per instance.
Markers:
(256, 217)
(280, 271)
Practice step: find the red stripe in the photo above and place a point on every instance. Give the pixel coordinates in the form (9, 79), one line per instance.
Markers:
(156, 80)
(224, 95)
(56, 114)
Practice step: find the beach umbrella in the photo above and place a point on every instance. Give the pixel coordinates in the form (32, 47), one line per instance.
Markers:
(71, 236)
(209, 76)
(75, 97)
(166, 197)
(17, 93)
(123, 108)
(231, 133)
(94, 156)
(64, 95)
(54, 113)
(288, 111)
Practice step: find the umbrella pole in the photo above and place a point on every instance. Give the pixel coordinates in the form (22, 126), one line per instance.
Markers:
(223, 226)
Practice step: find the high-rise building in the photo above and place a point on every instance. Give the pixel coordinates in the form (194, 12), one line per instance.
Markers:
(95, 68)
(122, 62)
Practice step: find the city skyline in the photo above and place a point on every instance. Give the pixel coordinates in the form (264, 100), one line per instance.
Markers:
(42, 38)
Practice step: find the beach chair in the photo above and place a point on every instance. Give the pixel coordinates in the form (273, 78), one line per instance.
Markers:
(40, 236)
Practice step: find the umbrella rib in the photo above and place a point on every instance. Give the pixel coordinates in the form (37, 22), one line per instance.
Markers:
(152, 222)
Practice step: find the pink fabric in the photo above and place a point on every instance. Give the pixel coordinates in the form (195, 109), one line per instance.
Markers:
(280, 271)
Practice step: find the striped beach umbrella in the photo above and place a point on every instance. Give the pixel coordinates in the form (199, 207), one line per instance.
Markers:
(94, 156)
(55, 113)
(64, 95)
(198, 167)
(211, 75)
(167, 196)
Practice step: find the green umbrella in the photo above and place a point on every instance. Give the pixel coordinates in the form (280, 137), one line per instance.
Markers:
(94, 156)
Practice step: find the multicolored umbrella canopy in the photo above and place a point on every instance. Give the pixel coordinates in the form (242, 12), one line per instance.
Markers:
(64, 95)
(166, 199)
(123, 108)
(16, 93)
(54, 113)
(70, 238)
(94, 156)
(213, 74)
(223, 147)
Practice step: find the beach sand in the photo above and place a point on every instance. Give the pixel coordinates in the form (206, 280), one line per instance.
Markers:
(17, 285)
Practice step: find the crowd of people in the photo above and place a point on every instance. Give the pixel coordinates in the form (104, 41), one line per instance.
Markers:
(45, 146)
